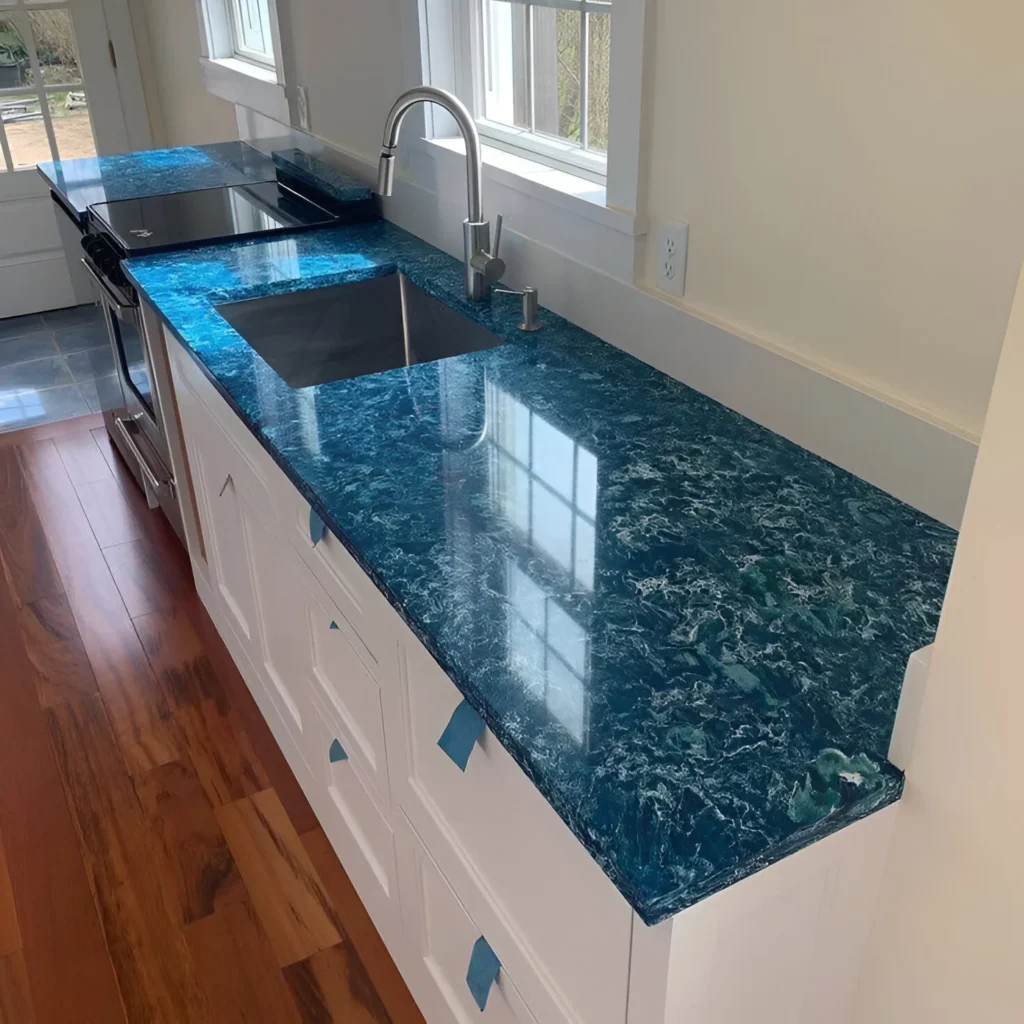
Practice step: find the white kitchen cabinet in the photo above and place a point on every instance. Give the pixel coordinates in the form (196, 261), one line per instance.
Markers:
(441, 857)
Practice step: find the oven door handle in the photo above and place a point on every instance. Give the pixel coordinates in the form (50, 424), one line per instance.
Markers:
(108, 292)
(150, 476)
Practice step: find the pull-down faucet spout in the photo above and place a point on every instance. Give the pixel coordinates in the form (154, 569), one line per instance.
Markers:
(483, 268)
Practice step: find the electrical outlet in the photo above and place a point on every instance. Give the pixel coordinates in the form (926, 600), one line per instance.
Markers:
(302, 102)
(672, 258)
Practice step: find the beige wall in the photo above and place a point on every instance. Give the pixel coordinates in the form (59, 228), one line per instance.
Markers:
(948, 942)
(852, 172)
(182, 112)
(853, 177)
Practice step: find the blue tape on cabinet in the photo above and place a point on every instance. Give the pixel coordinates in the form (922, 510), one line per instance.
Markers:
(483, 971)
(337, 752)
(462, 731)
(316, 528)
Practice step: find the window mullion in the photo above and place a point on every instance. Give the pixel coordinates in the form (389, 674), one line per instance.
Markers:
(5, 147)
(584, 81)
(25, 26)
(531, 90)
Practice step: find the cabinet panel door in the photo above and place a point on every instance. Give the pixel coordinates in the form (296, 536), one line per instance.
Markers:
(210, 455)
(439, 939)
(286, 647)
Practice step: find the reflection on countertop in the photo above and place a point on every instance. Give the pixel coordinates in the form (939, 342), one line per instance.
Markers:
(154, 172)
(689, 632)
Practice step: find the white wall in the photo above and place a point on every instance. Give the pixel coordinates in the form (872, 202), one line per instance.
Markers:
(853, 177)
(948, 942)
(182, 112)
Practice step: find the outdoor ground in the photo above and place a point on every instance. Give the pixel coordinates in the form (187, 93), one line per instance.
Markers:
(29, 145)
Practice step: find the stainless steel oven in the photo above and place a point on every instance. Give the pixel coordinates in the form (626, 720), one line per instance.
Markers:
(137, 424)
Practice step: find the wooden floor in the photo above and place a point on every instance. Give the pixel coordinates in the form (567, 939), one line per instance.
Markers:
(158, 861)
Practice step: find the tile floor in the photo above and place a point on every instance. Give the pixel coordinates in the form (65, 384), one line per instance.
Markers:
(54, 366)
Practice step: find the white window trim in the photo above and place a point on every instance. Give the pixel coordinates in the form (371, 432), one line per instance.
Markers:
(232, 77)
(446, 31)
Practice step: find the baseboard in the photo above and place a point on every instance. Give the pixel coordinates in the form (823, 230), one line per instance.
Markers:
(920, 461)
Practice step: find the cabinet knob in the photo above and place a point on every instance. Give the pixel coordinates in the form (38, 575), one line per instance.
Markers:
(464, 728)
(483, 971)
(337, 752)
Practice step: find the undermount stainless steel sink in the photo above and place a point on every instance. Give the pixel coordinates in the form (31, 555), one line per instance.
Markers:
(350, 330)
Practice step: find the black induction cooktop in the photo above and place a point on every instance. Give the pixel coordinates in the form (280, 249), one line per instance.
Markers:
(159, 223)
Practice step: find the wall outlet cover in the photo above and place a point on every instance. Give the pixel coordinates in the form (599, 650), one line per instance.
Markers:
(672, 249)
(302, 102)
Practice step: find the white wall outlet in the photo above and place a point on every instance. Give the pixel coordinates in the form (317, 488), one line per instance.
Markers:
(674, 241)
(302, 102)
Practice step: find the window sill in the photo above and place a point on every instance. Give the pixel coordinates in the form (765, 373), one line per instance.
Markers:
(576, 195)
(238, 81)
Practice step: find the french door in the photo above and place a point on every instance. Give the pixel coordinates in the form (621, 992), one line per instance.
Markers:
(61, 98)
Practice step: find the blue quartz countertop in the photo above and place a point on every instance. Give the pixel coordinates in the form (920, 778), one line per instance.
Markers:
(155, 172)
(689, 632)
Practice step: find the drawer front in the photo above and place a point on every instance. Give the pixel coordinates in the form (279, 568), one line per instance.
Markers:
(521, 873)
(439, 937)
(248, 458)
(343, 681)
(359, 833)
(338, 573)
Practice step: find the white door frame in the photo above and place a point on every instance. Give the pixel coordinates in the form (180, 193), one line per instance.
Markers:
(34, 272)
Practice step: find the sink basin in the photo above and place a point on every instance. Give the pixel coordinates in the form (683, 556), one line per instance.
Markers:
(349, 330)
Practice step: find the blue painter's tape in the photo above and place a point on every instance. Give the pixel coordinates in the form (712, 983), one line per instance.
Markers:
(333, 625)
(316, 527)
(337, 752)
(483, 971)
(462, 731)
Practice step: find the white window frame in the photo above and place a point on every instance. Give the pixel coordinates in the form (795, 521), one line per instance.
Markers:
(234, 74)
(447, 31)
(240, 51)
(560, 154)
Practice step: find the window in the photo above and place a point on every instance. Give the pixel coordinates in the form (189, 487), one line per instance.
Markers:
(250, 31)
(542, 71)
(44, 112)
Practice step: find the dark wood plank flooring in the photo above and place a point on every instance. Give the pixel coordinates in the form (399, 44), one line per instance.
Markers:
(158, 860)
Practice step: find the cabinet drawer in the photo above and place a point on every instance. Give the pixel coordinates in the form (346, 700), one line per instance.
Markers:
(345, 686)
(522, 874)
(339, 574)
(358, 831)
(439, 936)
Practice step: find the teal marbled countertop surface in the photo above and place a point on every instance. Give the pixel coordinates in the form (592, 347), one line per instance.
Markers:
(689, 632)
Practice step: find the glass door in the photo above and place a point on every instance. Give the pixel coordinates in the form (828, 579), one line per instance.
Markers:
(60, 99)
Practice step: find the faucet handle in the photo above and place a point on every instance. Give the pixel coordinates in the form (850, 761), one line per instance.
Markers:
(498, 221)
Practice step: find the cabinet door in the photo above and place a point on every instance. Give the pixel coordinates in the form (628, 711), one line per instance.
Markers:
(213, 460)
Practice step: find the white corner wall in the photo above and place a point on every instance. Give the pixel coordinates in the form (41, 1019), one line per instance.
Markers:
(853, 178)
(948, 940)
(182, 112)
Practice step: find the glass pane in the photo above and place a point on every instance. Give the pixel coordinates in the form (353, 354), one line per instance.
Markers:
(72, 126)
(54, 37)
(26, 132)
(254, 27)
(599, 37)
(14, 67)
(556, 72)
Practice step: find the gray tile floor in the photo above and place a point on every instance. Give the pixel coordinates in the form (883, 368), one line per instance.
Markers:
(54, 366)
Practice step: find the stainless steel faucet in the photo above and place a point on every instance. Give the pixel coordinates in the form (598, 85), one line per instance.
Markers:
(483, 268)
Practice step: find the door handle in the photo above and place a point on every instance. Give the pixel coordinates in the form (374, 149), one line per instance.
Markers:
(150, 476)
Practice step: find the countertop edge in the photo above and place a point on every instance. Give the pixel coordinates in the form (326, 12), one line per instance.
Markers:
(651, 912)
